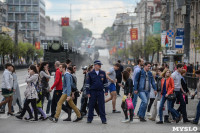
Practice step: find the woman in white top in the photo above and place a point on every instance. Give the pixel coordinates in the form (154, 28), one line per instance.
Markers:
(7, 87)
(30, 94)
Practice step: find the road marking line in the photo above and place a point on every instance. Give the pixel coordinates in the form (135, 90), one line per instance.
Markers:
(22, 84)
(4, 116)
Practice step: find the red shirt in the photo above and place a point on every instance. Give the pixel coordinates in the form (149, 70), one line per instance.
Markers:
(58, 80)
(185, 67)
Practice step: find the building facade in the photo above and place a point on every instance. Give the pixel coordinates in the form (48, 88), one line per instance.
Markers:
(3, 12)
(177, 21)
(29, 15)
(53, 28)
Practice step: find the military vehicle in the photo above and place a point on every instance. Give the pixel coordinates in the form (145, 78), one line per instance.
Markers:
(56, 50)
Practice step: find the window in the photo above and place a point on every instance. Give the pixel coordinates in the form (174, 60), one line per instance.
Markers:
(23, 17)
(35, 17)
(35, 1)
(10, 16)
(16, 8)
(28, 1)
(28, 8)
(23, 8)
(16, 1)
(35, 8)
(22, 2)
(23, 25)
(29, 17)
(28, 25)
(11, 25)
(35, 26)
(10, 8)
(10, 1)
(17, 17)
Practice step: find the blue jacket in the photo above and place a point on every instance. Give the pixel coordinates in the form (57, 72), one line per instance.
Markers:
(67, 84)
(96, 82)
(140, 87)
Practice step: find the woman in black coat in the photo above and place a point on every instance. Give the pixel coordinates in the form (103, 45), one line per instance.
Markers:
(128, 88)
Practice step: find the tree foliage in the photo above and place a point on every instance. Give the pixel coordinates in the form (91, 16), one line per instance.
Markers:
(74, 34)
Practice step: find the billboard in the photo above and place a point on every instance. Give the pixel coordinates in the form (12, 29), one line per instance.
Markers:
(134, 33)
(156, 28)
(65, 21)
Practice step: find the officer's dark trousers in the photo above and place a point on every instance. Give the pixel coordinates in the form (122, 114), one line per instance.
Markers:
(96, 96)
(56, 97)
(179, 96)
(84, 106)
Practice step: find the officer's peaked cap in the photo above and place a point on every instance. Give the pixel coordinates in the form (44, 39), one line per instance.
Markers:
(97, 62)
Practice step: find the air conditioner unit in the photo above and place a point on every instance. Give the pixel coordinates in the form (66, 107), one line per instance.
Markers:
(45, 46)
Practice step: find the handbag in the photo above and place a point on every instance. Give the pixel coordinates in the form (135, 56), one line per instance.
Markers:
(171, 96)
(129, 103)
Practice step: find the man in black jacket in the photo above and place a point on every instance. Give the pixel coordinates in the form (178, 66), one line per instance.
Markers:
(119, 77)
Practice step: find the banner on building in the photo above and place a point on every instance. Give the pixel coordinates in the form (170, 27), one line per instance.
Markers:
(134, 33)
(37, 45)
(65, 21)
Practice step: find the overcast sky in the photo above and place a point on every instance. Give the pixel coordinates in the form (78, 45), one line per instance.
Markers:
(94, 14)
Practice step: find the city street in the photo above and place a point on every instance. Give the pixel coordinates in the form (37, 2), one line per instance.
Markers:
(11, 124)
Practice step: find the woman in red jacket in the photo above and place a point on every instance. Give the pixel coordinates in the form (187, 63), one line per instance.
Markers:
(167, 88)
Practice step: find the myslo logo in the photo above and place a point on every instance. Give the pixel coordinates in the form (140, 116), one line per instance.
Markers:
(185, 129)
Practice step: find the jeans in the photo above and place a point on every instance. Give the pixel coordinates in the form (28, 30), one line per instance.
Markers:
(198, 113)
(135, 97)
(174, 113)
(144, 96)
(179, 96)
(71, 104)
(48, 97)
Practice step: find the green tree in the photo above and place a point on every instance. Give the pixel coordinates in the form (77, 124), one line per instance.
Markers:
(30, 52)
(6, 46)
(136, 50)
(153, 45)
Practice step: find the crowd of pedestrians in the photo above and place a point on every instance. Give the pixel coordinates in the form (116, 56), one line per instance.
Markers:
(158, 88)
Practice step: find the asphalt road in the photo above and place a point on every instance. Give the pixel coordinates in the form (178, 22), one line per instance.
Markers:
(9, 124)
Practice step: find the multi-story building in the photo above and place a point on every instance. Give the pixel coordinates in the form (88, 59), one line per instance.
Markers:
(29, 15)
(53, 28)
(3, 11)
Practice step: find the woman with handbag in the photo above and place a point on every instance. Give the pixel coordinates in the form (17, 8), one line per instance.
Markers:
(185, 91)
(30, 94)
(128, 87)
(167, 88)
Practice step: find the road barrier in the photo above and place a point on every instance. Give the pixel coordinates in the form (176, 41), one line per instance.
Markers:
(16, 67)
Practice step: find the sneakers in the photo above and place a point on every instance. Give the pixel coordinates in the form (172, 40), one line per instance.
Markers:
(125, 121)
(115, 111)
(77, 119)
(152, 119)
(18, 117)
(31, 118)
(53, 119)
(159, 122)
(142, 120)
(167, 121)
(194, 122)
(68, 119)
(148, 114)
(104, 122)
(178, 119)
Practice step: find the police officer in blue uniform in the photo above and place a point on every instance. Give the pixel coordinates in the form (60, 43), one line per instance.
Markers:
(96, 84)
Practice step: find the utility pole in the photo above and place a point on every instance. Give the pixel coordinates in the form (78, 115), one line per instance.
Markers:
(171, 57)
(71, 11)
(145, 30)
(187, 32)
(167, 15)
(16, 34)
